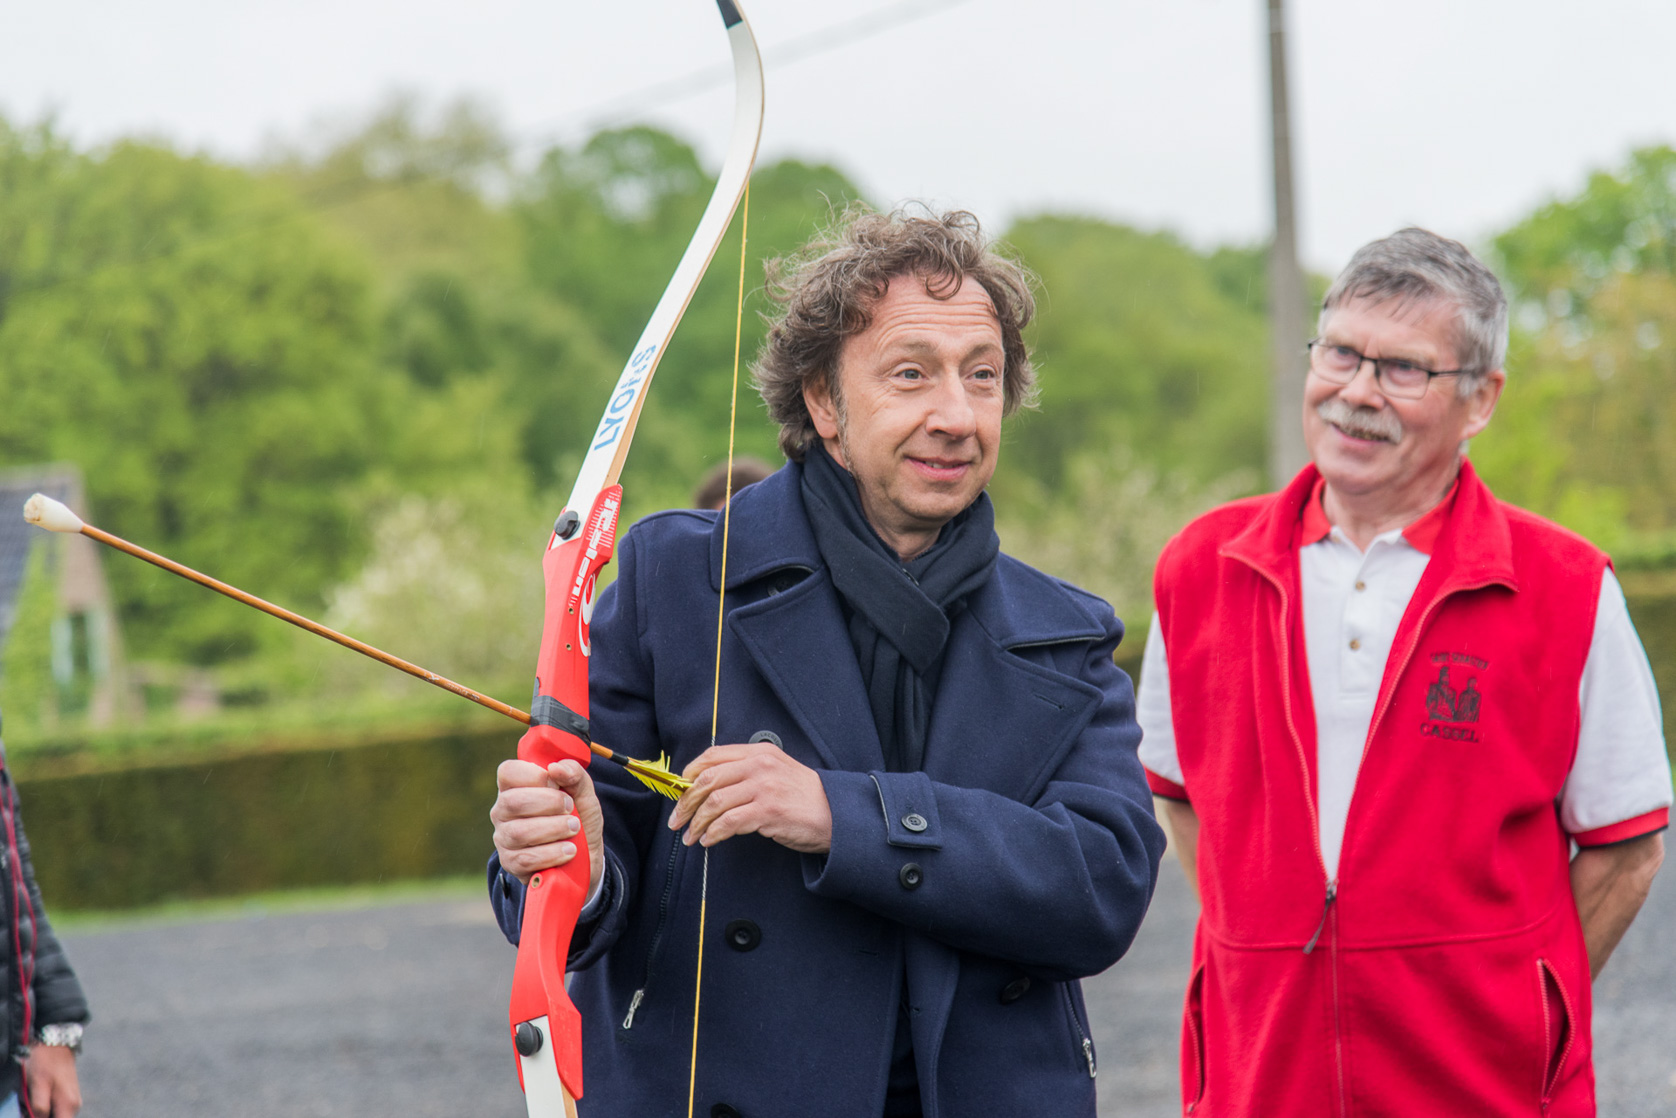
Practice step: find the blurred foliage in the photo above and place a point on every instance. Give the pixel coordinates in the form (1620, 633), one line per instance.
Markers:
(357, 377)
(455, 592)
(1586, 431)
(1140, 349)
(204, 353)
(1107, 523)
(606, 226)
(1619, 223)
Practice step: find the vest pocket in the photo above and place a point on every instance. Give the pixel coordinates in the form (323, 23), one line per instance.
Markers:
(1557, 1021)
(1193, 1042)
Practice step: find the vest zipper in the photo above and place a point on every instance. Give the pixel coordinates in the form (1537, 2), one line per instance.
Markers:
(1326, 909)
(1545, 974)
(1314, 825)
(1292, 726)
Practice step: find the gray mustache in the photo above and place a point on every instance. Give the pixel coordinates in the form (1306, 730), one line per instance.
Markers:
(1363, 423)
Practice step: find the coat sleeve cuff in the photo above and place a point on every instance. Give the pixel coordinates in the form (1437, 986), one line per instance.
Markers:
(1169, 789)
(870, 813)
(909, 804)
(506, 898)
(1639, 827)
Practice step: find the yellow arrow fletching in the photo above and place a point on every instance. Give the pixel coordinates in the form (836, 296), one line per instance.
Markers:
(657, 776)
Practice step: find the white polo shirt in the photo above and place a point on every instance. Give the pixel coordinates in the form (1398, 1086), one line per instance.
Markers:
(1353, 601)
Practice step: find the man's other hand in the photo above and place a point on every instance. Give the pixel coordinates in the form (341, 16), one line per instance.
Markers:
(1610, 884)
(538, 813)
(754, 789)
(49, 1075)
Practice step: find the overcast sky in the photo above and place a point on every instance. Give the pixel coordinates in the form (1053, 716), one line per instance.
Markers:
(1461, 115)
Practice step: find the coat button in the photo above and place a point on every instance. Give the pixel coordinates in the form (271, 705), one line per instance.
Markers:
(767, 735)
(742, 935)
(915, 822)
(1015, 989)
(911, 876)
(722, 1110)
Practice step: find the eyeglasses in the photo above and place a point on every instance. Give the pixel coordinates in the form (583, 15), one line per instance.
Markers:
(1399, 379)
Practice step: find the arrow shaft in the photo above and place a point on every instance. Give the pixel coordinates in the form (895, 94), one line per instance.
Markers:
(310, 625)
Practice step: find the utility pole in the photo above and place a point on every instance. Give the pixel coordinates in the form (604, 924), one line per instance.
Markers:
(1287, 453)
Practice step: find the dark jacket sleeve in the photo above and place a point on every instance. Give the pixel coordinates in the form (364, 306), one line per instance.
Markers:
(1057, 885)
(58, 994)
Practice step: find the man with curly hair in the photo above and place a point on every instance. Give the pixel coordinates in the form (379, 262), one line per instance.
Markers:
(928, 821)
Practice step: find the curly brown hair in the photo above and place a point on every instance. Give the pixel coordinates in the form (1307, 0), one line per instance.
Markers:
(828, 291)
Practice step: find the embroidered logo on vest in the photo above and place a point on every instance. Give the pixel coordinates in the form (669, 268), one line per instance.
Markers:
(1451, 711)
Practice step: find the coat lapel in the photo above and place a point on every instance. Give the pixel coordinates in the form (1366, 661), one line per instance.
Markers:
(1003, 718)
(798, 644)
(794, 635)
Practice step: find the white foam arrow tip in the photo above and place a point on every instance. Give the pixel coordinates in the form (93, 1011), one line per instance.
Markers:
(52, 515)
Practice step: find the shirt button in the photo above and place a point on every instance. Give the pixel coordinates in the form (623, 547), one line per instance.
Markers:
(1360, 585)
(1355, 645)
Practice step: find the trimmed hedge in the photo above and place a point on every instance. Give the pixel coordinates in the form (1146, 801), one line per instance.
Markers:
(265, 821)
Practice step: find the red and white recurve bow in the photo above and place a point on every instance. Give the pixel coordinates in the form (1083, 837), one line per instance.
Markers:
(546, 1027)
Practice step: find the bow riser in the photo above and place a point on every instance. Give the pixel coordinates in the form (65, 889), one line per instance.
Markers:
(540, 1009)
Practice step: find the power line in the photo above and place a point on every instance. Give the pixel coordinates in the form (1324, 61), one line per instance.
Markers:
(617, 110)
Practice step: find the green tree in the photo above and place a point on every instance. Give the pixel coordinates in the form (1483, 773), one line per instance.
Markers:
(1143, 353)
(1559, 257)
(1584, 432)
(205, 353)
(606, 226)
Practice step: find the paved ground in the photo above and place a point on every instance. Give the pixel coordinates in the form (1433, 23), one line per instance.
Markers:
(394, 1009)
(397, 1009)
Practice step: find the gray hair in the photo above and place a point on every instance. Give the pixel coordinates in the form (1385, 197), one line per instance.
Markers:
(1415, 265)
(828, 292)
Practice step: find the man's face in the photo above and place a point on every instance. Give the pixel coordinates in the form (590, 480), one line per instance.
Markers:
(1368, 444)
(917, 416)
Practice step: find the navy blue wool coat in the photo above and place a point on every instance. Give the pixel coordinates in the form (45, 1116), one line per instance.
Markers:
(1021, 859)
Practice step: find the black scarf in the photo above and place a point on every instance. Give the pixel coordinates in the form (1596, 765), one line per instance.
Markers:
(898, 614)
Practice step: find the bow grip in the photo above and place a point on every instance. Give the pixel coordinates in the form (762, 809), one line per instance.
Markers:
(559, 731)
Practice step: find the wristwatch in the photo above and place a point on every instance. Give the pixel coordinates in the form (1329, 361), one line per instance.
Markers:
(61, 1036)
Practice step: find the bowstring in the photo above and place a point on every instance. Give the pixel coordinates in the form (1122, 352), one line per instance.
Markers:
(721, 599)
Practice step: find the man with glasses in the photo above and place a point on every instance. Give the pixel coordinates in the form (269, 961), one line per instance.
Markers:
(1406, 738)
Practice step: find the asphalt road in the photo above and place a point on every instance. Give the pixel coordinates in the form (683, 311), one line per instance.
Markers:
(398, 1009)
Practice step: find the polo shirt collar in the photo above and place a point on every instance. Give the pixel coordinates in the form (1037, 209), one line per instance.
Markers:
(1468, 530)
(1421, 535)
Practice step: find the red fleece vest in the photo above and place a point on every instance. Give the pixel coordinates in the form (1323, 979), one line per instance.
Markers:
(1446, 972)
